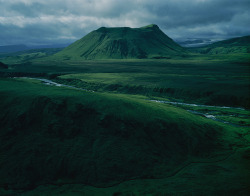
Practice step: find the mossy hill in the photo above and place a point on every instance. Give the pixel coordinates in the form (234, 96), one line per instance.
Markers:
(229, 46)
(123, 43)
(97, 139)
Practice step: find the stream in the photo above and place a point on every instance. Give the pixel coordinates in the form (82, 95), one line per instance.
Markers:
(206, 115)
(196, 105)
(51, 83)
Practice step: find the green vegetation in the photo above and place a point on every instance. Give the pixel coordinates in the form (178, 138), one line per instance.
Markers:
(212, 80)
(234, 116)
(60, 136)
(230, 46)
(191, 85)
(28, 55)
(58, 140)
(122, 43)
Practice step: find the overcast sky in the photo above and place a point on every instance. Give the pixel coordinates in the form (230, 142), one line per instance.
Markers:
(64, 21)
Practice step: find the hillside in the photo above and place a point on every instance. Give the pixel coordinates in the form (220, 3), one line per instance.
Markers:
(3, 66)
(230, 46)
(61, 136)
(71, 136)
(27, 55)
(122, 43)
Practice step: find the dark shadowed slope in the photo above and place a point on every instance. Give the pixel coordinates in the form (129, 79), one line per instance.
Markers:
(59, 135)
(123, 43)
(3, 66)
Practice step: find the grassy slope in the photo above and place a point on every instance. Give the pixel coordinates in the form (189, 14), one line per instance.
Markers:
(230, 46)
(227, 177)
(206, 79)
(215, 82)
(3, 66)
(64, 136)
(48, 133)
(58, 136)
(120, 43)
(28, 55)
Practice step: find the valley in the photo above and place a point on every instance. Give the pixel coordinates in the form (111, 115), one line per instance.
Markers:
(116, 120)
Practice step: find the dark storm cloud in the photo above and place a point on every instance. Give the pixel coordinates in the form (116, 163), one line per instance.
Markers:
(64, 21)
(192, 13)
(28, 10)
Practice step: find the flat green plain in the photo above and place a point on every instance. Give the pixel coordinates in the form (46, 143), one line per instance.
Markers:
(206, 79)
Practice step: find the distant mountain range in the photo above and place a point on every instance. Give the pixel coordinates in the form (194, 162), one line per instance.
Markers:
(194, 42)
(230, 46)
(22, 47)
(13, 48)
(123, 43)
(129, 43)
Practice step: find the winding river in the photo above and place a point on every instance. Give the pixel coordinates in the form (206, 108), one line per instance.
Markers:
(206, 115)
(51, 83)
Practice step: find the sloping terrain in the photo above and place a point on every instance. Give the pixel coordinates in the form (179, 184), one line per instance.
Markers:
(60, 140)
(3, 66)
(122, 43)
(27, 55)
(230, 46)
(52, 135)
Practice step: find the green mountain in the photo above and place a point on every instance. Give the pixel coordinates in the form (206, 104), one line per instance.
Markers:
(123, 43)
(230, 46)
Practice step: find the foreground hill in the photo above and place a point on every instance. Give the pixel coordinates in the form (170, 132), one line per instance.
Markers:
(56, 136)
(230, 46)
(123, 43)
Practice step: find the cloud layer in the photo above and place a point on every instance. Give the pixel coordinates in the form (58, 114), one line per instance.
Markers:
(64, 21)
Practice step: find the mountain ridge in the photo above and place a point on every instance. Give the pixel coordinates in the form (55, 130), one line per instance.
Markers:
(228, 46)
(123, 43)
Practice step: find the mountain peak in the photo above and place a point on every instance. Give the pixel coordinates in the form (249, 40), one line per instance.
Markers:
(123, 43)
(105, 29)
(154, 26)
(151, 26)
